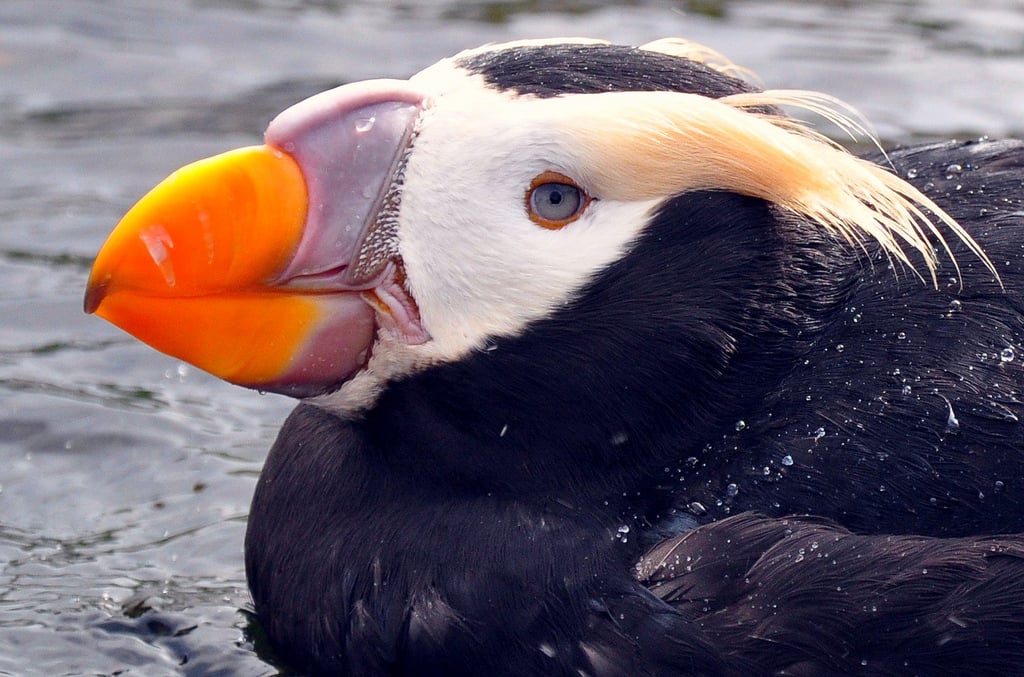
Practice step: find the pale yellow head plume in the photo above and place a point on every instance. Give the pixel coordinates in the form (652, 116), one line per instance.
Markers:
(643, 145)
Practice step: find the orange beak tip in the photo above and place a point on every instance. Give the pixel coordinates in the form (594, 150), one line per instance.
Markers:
(194, 270)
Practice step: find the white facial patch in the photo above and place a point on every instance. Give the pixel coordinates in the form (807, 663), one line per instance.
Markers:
(478, 267)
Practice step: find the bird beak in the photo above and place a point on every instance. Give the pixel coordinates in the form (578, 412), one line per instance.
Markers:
(259, 265)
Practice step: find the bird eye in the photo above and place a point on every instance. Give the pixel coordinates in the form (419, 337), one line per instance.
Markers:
(554, 200)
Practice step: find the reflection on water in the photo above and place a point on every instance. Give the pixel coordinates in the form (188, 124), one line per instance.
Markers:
(124, 477)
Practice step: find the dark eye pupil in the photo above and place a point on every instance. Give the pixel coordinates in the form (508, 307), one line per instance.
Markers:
(556, 201)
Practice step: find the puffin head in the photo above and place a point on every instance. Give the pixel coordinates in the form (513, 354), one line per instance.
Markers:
(390, 225)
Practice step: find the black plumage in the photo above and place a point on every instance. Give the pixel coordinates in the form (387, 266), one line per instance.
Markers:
(902, 417)
(803, 596)
(487, 513)
(541, 70)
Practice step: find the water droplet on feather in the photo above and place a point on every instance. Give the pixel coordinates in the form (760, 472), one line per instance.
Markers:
(952, 423)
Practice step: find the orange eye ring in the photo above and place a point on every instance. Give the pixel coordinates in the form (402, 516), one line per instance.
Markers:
(553, 200)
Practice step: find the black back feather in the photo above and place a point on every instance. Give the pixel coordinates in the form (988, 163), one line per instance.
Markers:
(804, 596)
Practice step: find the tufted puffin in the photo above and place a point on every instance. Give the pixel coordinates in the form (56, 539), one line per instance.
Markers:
(577, 329)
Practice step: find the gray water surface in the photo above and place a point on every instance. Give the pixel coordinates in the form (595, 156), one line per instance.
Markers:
(125, 476)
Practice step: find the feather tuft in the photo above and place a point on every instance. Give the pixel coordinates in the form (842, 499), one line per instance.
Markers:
(694, 51)
(676, 142)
